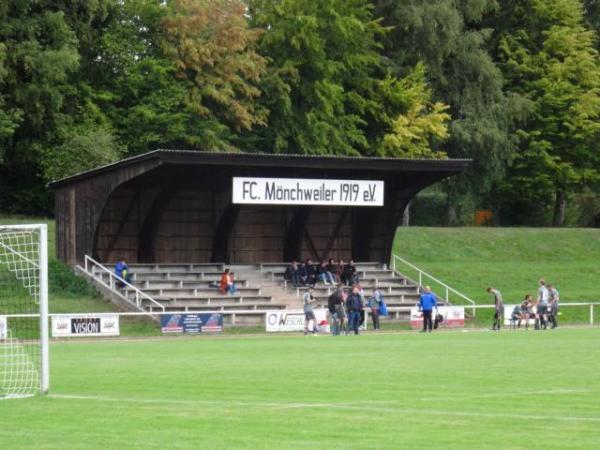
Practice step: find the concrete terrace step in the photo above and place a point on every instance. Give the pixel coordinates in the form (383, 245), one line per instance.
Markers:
(185, 284)
(180, 267)
(241, 299)
(258, 310)
(194, 292)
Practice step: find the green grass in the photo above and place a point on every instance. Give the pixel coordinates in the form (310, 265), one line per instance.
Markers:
(471, 390)
(69, 293)
(511, 259)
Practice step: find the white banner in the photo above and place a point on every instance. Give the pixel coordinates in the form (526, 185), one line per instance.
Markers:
(69, 325)
(304, 191)
(3, 328)
(279, 320)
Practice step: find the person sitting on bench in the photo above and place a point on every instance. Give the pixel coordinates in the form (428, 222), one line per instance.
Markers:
(516, 316)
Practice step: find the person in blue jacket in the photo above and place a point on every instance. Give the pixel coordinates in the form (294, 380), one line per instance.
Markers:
(122, 271)
(426, 304)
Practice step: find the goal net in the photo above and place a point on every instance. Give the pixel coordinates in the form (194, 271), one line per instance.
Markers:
(23, 310)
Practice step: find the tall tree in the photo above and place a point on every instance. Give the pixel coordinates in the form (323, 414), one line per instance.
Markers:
(450, 38)
(327, 89)
(549, 58)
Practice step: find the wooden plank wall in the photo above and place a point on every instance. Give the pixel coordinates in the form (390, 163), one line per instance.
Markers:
(186, 229)
(321, 225)
(258, 236)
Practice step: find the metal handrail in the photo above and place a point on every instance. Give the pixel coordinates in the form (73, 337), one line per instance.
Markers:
(113, 278)
(423, 274)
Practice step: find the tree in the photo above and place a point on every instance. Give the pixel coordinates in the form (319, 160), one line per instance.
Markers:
(327, 88)
(551, 60)
(451, 39)
(38, 54)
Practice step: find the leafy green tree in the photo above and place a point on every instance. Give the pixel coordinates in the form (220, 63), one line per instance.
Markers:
(85, 150)
(550, 59)
(451, 38)
(327, 88)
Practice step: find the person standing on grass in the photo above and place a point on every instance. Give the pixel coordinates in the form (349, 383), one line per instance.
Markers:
(427, 303)
(374, 303)
(498, 308)
(554, 298)
(542, 305)
(309, 313)
(333, 301)
(355, 306)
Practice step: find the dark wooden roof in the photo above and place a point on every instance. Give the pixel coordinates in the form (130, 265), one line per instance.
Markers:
(187, 157)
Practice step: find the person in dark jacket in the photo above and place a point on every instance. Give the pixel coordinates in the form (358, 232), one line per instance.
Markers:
(301, 274)
(354, 305)
(334, 304)
(332, 269)
(427, 303)
(291, 274)
(339, 272)
(311, 273)
(349, 275)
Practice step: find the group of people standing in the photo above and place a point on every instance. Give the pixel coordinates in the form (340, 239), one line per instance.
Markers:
(346, 309)
(307, 273)
(544, 309)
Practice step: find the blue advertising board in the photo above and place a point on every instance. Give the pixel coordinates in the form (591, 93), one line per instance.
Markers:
(191, 323)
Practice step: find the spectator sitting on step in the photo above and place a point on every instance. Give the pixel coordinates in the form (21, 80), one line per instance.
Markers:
(301, 274)
(339, 271)
(332, 269)
(349, 275)
(311, 273)
(291, 274)
(122, 271)
(324, 275)
(227, 284)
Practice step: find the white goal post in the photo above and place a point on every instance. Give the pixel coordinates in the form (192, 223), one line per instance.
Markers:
(24, 355)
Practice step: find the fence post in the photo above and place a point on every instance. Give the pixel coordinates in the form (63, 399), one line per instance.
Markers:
(420, 278)
(446, 294)
(591, 314)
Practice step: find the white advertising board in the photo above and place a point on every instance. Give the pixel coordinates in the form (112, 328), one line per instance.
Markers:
(290, 320)
(3, 328)
(75, 325)
(305, 191)
(454, 317)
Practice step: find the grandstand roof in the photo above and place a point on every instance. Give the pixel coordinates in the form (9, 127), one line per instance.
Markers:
(169, 157)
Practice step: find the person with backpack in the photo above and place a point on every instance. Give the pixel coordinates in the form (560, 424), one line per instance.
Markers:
(375, 303)
(354, 305)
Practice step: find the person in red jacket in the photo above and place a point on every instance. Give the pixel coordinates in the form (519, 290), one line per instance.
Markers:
(227, 284)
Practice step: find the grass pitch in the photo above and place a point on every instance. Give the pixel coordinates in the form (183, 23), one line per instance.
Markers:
(407, 390)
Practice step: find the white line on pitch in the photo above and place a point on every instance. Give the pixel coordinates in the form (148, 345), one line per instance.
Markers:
(359, 406)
